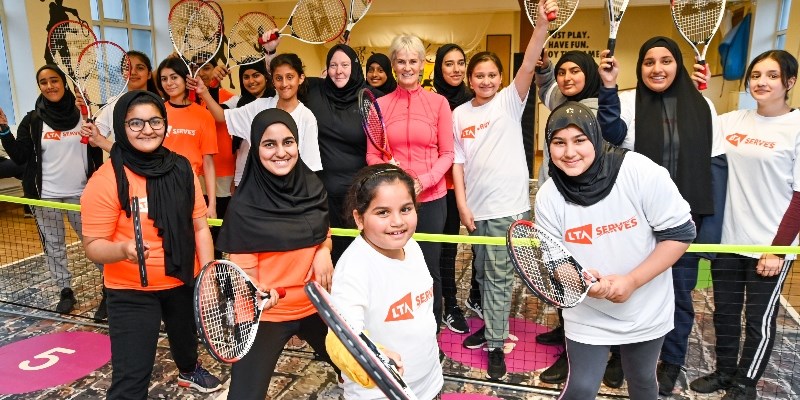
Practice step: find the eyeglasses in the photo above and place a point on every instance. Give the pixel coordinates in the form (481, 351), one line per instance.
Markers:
(137, 124)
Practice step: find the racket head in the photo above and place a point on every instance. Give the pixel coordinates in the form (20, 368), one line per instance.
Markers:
(697, 20)
(226, 305)
(65, 40)
(566, 9)
(391, 384)
(195, 29)
(372, 121)
(616, 9)
(318, 21)
(358, 9)
(103, 71)
(546, 266)
(139, 240)
(243, 39)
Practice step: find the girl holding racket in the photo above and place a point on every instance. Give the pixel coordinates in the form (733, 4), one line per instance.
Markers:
(382, 286)
(637, 224)
(419, 130)
(669, 121)
(762, 150)
(262, 234)
(379, 73)
(177, 241)
(490, 176)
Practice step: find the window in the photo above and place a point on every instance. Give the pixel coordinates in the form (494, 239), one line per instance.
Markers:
(783, 24)
(6, 101)
(128, 23)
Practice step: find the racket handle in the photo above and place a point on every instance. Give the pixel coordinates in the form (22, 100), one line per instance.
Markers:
(611, 43)
(346, 35)
(271, 38)
(551, 16)
(192, 96)
(703, 85)
(281, 292)
(85, 114)
(214, 83)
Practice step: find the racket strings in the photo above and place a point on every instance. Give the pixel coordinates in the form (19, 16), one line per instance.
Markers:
(196, 30)
(243, 43)
(697, 20)
(66, 41)
(616, 8)
(319, 20)
(103, 70)
(566, 9)
(372, 124)
(358, 8)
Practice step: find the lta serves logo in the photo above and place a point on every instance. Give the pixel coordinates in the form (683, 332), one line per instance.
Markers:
(579, 235)
(735, 138)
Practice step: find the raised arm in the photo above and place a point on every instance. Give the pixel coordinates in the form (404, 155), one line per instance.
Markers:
(524, 76)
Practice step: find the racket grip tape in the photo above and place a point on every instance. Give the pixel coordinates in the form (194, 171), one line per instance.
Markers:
(612, 42)
(281, 292)
(213, 83)
(85, 114)
(551, 16)
(192, 96)
(703, 85)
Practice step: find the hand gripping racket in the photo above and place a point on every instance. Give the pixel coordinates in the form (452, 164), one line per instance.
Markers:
(227, 309)
(65, 41)
(195, 29)
(546, 267)
(372, 122)
(377, 365)
(244, 40)
(566, 9)
(138, 239)
(358, 9)
(616, 9)
(532, 11)
(315, 21)
(102, 76)
(698, 21)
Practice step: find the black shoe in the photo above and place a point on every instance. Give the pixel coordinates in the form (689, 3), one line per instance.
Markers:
(741, 392)
(712, 382)
(441, 356)
(667, 374)
(454, 319)
(552, 338)
(614, 377)
(475, 306)
(497, 364)
(557, 373)
(476, 340)
(67, 301)
(102, 311)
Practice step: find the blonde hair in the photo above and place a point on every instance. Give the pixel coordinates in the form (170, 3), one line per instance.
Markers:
(409, 43)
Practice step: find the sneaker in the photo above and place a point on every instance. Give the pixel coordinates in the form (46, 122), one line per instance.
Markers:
(102, 311)
(614, 377)
(454, 319)
(67, 301)
(475, 306)
(557, 373)
(497, 364)
(712, 382)
(552, 338)
(667, 374)
(199, 379)
(740, 392)
(476, 340)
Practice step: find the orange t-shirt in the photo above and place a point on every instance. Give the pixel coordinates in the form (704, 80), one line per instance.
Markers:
(192, 133)
(224, 160)
(103, 218)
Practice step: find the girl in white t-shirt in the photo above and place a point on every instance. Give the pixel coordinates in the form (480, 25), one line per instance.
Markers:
(762, 206)
(381, 285)
(621, 217)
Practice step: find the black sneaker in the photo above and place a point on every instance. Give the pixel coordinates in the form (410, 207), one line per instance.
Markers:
(102, 311)
(667, 374)
(476, 340)
(67, 301)
(712, 382)
(557, 373)
(475, 306)
(497, 364)
(552, 338)
(454, 319)
(740, 392)
(199, 379)
(614, 376)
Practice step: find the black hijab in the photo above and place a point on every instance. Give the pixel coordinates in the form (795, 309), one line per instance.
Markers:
(61, 115)
(455, 95)
(692, 120)
(170, 189)
(391, 84)
(587, 64)
(347, 95)
(595, 183)
(270, 212)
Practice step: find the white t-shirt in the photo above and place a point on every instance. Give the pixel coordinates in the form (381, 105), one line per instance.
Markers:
(488, 142)
(763, 173)
(393, 301)
(613, 236)
(239, 121)
(627, 100)
(65, 162)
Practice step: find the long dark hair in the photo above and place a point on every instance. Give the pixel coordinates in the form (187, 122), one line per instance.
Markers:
(176, 65)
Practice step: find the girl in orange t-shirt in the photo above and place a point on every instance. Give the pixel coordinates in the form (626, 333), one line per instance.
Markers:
(177, 240)
(277, 230)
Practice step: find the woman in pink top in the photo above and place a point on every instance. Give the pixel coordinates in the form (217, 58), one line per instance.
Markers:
(419, 127)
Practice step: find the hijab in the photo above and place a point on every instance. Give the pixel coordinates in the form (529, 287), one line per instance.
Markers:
(274, 213)
(348, 94)
(587, 64)
(455, 95)
(596, 182)
(246, 97)
(381, 59)
(170, 189)
(691, 119)
(61, 115)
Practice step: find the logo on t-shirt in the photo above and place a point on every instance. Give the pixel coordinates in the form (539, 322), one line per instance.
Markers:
(143, 205)
(579, 235)
(735, 138)
(181, 131)
(58, 135)
(468, 132)
(403, 309)
(616, 227)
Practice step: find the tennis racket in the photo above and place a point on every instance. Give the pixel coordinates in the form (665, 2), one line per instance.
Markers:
(566, 9)
(532, 10)
(102, 76)
(138, 239)
(616, 9)
(195, 29)
(65, 41)
(244, 40)
(372, 122)
(697, 21)
(227, 309)
(315, 21)
(358, 9)
(546, 267)
(378, 366)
